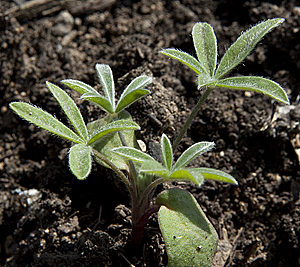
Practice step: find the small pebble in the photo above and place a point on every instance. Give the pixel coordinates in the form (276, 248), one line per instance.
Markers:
(248, 94)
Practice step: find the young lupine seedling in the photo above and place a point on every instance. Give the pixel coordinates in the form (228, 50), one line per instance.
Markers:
(190, 238)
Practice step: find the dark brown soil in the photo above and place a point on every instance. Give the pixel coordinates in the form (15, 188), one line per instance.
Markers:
(48, 218)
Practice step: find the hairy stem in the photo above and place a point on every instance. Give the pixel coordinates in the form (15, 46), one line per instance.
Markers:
(191, 117)
(139, 226)
(149, 189)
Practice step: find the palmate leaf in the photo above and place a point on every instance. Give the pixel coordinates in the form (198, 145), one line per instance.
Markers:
(80, 160)
(167, 151)
(107, 81)
(112, 127)
(257, 84)
(44, 120)
(191, 153)
(238, 51)
(134, 91)
(205, 43)
(70, 109)
(190, 238)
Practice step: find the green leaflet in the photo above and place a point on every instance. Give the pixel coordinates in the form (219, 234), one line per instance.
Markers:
(80, 160)
(79, 86)
(191, 153)
(190, 238)
(187, 175)
(106, 143)
(44, 120)
(154, 168)
(70, 109)
(167, 152)
(186, 59)
(213, 174)
(100, 101)
(205, 43)
(257, 84)
(106, 79)
(244, 44)
(89, 93)
(111, 127)
(133, 154)
(133, 92)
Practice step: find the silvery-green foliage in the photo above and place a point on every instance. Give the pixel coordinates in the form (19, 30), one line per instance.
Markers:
(178, 170)
(134, 91)
(209, 75)
(81, 153)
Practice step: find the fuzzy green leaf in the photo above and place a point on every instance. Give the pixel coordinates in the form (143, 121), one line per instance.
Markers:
(106, 143)
(188, 175)
(70, 109)
(134, 91)
(238, 51)
(44, 120)
(191, 153)
(133, 154)
(155, 168)
(257, 84)
(107, 80)
(79, 86)
(80, 160)
(167, 151)
(186, 59)
(100, 101)
(216, 175)
(113, 126)
(190, 238)
(205, 43)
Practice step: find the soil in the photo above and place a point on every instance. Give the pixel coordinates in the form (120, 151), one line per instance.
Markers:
(49, 218)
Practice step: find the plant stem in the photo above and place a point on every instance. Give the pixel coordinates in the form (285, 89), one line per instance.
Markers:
(191, 117)
(139, 226)
(149, 188)
(116, 170)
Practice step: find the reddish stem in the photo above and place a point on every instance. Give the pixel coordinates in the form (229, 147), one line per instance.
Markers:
(139, 226)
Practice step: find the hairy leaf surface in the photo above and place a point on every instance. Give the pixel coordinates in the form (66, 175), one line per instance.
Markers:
(191, 153)
(190, 238)
(106, 143)
(113, 126)
(216, 175)
(134, 91)
(79, 86)
(186, 59)
(167, 151)
(101, 101)
(257, 84)
(133, 154)
(44, 120)
(106, 79)
(187, 175)
(80, 160)
(154, 168)
(238, 51)
(70, 109)
(205, 43)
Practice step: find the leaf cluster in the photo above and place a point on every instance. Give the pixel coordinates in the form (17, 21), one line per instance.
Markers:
(211, 75)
